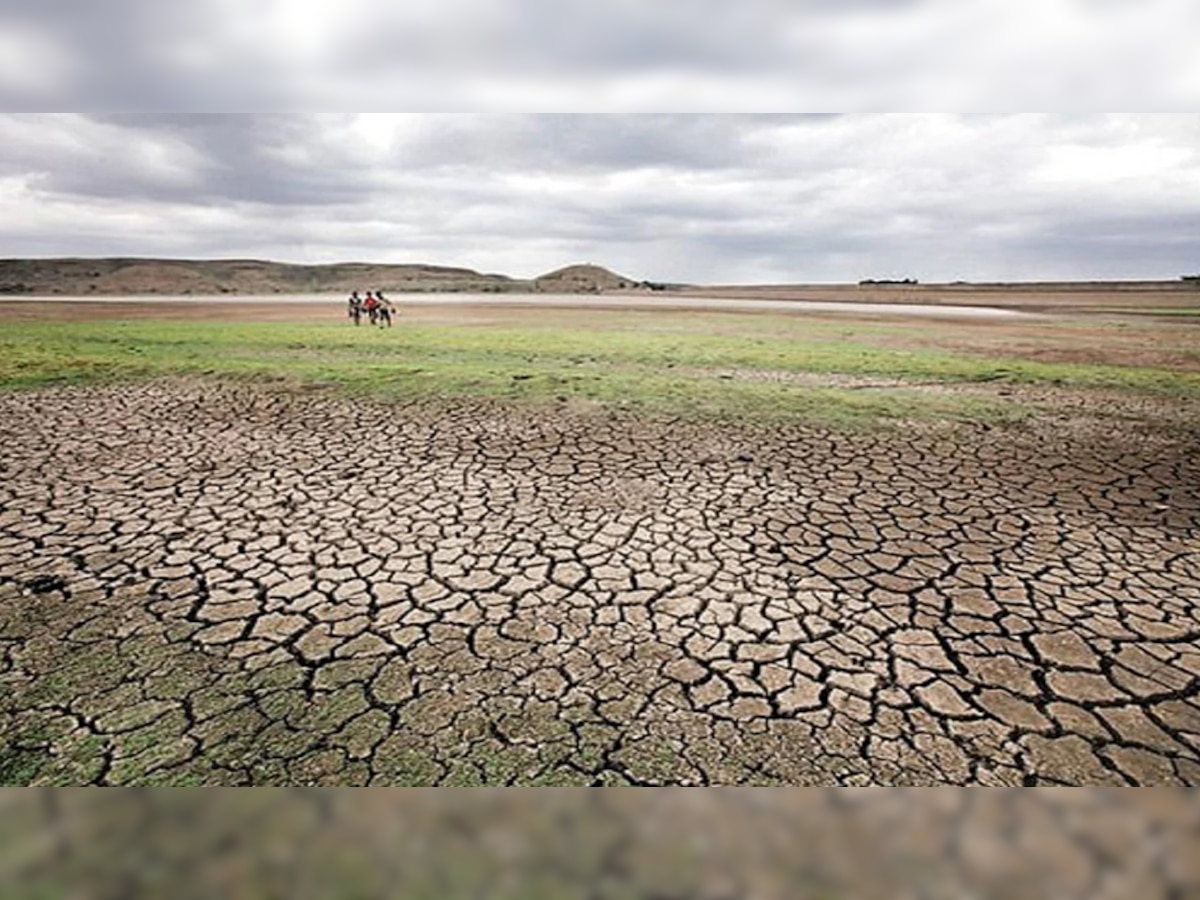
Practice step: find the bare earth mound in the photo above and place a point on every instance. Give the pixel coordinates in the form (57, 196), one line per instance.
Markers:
(582, 279)
(231, 584)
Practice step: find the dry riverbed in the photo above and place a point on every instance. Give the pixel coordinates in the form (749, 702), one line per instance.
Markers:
(237, 583)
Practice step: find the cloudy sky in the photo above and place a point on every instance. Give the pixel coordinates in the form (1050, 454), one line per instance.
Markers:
(724, 198)
(509, 178)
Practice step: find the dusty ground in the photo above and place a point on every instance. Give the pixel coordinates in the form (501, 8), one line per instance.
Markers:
(230, 584)
(942, 843)
(1042, 297)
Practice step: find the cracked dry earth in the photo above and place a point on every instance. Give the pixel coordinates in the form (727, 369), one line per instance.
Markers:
(237, 584)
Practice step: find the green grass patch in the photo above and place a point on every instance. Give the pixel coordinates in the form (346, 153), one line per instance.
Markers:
(649, 363)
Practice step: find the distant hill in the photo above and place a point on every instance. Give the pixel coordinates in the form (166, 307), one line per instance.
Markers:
(133, 276)
(582, 279)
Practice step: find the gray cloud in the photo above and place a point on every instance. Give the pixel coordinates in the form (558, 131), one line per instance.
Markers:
(251, 158)
(620, 56)
(703, 198)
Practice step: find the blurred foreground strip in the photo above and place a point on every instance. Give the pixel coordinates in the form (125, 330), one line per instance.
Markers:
(670, 842)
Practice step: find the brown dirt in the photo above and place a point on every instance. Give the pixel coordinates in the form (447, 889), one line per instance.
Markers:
(191, 310)
(1148, 343)
(1051, 297)
(234, 584)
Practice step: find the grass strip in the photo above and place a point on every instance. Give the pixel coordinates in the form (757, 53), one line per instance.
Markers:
(670, 370)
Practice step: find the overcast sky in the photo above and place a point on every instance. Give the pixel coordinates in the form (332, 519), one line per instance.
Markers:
(717, 198)
(506, 180)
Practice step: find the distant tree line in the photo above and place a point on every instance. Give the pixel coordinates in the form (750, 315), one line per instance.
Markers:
(867, 281)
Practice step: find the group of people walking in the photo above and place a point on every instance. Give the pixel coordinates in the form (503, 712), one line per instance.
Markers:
(377, 308)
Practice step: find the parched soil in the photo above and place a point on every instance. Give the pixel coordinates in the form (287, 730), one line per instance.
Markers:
(1035, 296)
(239, 584)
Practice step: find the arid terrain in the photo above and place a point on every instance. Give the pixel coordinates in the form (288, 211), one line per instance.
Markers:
(247, 580)
(1031, 296)
(132, 277)
(258, 586)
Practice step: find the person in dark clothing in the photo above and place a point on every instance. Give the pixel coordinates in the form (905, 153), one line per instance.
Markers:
(385, 310)
(354, 307)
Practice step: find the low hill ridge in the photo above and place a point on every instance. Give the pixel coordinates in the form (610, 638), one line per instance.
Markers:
(126, 276)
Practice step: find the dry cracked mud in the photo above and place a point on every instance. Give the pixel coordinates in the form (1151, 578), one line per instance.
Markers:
(233, 584)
